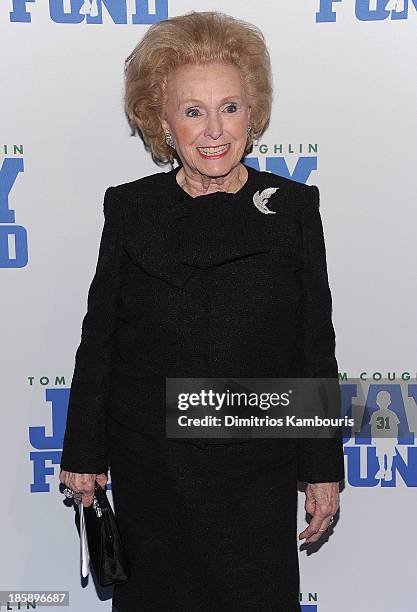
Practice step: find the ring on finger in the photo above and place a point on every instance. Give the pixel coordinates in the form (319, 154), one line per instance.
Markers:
(331, 521)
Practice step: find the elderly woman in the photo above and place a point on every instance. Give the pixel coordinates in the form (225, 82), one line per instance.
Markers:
(199, 275)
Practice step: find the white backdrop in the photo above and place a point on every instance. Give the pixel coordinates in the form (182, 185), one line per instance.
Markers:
(345, 83)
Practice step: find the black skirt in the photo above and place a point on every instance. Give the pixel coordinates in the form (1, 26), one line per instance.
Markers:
(205, 529)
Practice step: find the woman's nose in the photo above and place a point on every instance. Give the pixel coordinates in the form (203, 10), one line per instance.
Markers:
(214, 127)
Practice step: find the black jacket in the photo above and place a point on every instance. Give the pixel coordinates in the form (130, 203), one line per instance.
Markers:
(200, 287)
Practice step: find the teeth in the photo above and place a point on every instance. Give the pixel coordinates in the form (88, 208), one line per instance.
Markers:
(213, 150)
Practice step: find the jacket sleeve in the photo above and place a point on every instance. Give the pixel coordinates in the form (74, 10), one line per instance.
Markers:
(318, 459)
(84, 447)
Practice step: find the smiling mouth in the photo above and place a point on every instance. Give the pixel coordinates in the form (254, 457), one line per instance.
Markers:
(213, 151)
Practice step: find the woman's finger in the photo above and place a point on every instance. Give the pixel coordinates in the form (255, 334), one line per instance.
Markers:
(80, 484)
(319, 524)
(87, 500)
(313, 528)
(313, 533)
(101, 479)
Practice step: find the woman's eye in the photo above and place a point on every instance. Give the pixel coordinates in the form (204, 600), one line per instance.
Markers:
(192, 112)
(231, 108)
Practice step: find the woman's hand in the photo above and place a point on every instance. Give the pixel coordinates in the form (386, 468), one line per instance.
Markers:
(82, 485)
(322, 502)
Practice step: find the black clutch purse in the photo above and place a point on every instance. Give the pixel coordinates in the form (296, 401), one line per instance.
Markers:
(105, 547)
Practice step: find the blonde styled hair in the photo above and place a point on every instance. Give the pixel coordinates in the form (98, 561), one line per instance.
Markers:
(194, 38)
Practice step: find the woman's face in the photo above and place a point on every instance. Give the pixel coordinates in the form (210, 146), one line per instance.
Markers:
(207, 112)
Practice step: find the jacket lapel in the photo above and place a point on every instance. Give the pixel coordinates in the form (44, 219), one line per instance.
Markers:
(170, 236)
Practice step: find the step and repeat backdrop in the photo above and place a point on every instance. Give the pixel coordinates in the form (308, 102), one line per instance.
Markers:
(344, 118)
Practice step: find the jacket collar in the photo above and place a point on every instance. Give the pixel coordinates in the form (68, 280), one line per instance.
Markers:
(178, 234)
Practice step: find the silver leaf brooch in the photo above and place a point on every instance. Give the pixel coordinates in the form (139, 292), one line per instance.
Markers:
(261, 199)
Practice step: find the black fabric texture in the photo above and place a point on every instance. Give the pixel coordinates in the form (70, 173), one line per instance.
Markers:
(200, 287)
(210, 529)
